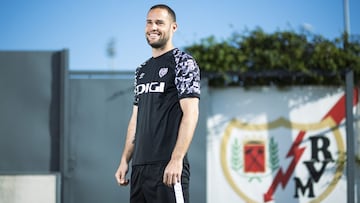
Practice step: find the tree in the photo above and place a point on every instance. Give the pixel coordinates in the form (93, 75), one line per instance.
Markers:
(279, 58)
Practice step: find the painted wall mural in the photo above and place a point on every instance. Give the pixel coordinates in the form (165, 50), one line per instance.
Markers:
(277, 145)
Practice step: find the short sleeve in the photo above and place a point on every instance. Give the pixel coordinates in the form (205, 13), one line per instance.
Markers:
(187, 79)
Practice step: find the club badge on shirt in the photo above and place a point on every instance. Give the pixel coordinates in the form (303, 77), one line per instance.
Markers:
(163, 72)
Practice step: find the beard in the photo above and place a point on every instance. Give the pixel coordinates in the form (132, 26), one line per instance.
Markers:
(160, 43)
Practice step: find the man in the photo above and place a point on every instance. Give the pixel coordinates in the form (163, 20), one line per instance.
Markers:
(164, 117)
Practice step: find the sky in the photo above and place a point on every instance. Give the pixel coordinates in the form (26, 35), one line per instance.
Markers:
(85, 27)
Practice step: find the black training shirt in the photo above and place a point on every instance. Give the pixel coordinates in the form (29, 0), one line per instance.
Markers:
(159, 85)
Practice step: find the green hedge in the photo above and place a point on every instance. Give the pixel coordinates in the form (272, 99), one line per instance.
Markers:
(279, 58)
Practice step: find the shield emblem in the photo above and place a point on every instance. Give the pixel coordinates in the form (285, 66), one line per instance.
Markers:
(163, 72)
(260, 160)
(254, 157)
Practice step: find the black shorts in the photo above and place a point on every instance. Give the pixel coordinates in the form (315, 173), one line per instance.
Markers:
(147, 184)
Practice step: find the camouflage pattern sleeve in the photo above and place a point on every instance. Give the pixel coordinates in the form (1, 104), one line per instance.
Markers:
(187, 79)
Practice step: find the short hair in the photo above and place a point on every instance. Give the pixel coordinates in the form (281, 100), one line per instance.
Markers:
(166, 7)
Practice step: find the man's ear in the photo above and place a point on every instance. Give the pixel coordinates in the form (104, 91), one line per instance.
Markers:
(174, 26)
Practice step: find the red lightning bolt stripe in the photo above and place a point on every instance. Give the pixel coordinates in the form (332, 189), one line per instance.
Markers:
(337, 112)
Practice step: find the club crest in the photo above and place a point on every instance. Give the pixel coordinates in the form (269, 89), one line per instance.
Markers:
(263, 162)
(163, 72)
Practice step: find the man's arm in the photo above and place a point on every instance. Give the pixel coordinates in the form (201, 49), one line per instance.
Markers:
(190, 109)
(122, 170)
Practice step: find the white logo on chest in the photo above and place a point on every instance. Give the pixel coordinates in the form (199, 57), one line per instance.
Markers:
(150, 87)
(162, 72)
(141, 76)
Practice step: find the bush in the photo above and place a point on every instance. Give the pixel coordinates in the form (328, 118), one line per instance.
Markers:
(280, 58)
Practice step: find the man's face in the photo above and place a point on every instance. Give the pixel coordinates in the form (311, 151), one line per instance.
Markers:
(159, 28)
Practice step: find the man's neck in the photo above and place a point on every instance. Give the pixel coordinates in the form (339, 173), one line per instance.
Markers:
(160, 51)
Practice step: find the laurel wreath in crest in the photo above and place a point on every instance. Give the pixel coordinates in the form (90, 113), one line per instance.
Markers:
(274, 155)
(236, 160)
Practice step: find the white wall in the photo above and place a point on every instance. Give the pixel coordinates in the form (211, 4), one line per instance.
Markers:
(266, 121)
(28, 188)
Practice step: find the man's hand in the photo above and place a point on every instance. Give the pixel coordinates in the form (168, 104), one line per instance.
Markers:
(120, 174)
(172, 172)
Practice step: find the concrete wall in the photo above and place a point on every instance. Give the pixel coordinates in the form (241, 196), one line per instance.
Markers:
(99, 108)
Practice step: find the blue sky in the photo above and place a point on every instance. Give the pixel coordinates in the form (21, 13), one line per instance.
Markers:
(86, 26)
